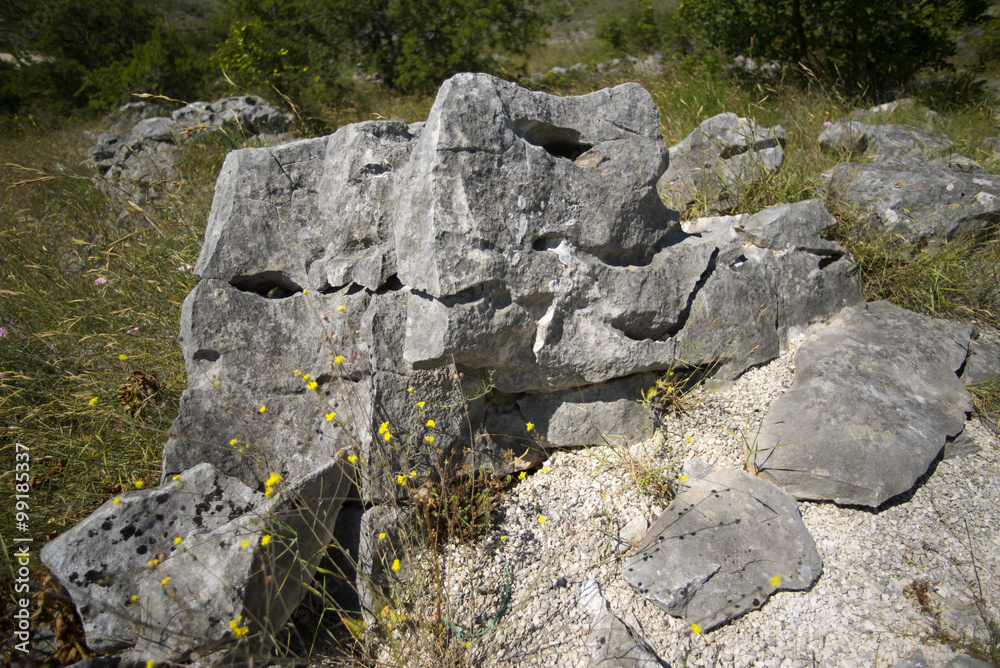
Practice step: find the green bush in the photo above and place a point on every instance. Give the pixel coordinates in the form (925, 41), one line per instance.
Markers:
(644, 31)
(867, 46)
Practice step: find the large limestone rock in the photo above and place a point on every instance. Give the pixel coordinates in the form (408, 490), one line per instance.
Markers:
(875, 398)
(719, 161)
(912, 187)
(727, 542)
(515, 239)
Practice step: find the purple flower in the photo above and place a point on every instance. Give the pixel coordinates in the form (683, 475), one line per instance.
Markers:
(3, 332)
(133, 332)
(827, 124)
(100, 280)
(184, 267)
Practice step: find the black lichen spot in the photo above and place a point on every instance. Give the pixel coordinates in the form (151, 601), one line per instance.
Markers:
(106, 525)
(128, 531)
(162, 498)
(142, 549)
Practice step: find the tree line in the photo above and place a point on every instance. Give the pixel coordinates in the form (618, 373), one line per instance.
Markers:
(62, 56)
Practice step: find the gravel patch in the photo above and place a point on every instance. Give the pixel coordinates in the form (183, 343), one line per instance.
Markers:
(562, 525)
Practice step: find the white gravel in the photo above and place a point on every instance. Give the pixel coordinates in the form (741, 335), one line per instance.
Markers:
(857, 614)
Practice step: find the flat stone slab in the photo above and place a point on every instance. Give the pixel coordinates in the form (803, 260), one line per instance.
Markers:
(876, 396)
(727, 542)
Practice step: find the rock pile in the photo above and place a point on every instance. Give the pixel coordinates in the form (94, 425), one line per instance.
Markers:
(145, 154)
(392, 304)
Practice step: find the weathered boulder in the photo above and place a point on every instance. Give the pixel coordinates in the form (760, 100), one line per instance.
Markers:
(726, 543)
(244, 578)
(102, 559)
(719, 160)
(876, 395)
(912, 204)
(900, 144)
(146, 154)
(913, 187)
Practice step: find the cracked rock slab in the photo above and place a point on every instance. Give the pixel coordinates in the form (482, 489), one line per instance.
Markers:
(876, 396)
(727, 542)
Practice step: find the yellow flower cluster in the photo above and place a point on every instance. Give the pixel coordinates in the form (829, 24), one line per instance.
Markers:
(235, 628)
(271, 483)
(385, 431)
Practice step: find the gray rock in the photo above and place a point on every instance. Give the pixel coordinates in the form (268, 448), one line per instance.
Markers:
(901, 144)
(962, 661)
(983, 363)
(386, 533)
(719, 160)
(250, 114)
(704, 559)
(914, 203)
(102, 560)
(914, 660)
(229, 578)
(612, 642)
(874, 399)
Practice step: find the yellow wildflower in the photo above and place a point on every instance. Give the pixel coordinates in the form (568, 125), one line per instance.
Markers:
(409, 389)
(312, 385)
(341, 308)
(265, 539)
(135, 598)
(387, 437)
(395, 565)
(541, 519)
(546, 469)
(530, 426)
(683, 478)
(381, 536)
(696, 629)
(139, 484)
(352, 458)
(165, 581)
(263, 408)
(776, 580)
(330, 416)
(177, 541)
(152, 563)
(429, 439)
(150, 664)
(92, 401)
(176, 478)
(338, 359)
(430, 423)
(297, 373)
(401, 479)
(421, 404)
(523, 475)
(305, 378)
(117, 500)
(123, 357)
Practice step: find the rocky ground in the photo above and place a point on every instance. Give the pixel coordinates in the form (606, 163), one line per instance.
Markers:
(934, 545)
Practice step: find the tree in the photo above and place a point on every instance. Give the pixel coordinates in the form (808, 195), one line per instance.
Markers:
(871, 44)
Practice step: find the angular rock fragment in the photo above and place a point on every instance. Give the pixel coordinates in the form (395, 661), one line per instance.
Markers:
(719, 160)
(102, 559)
(875, 396)
(612, 642)
(726, 543)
